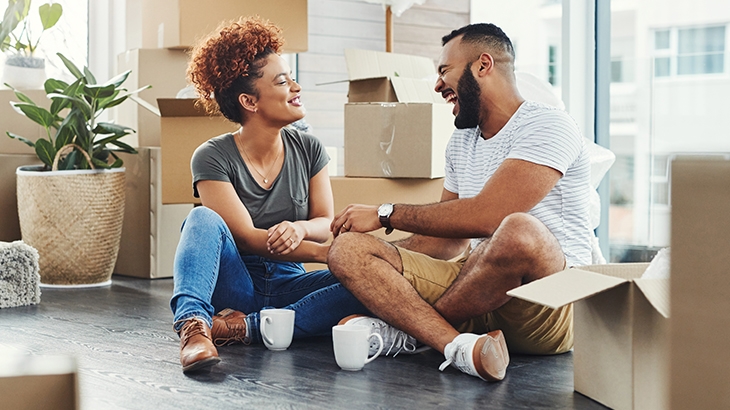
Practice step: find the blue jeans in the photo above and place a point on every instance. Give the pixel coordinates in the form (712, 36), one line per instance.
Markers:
(210, 274)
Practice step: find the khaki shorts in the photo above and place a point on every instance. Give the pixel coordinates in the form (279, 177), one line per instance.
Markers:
(528, 327)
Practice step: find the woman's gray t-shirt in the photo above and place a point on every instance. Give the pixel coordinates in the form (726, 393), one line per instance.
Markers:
(218, 159)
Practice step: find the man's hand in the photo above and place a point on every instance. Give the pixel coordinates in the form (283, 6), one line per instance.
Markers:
(356, 218)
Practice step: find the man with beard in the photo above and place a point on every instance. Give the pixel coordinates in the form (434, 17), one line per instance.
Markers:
(514, 204)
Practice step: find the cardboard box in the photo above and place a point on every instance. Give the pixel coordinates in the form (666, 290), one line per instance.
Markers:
(151, 230)
(396, 125)
(17, 123)
(700, 284)
(375, 191)
(375, 76)
(397, 140)
(621, 330)
(9, 224)
(38, 382)
(165, 71)
(183, 127)
(180, 23)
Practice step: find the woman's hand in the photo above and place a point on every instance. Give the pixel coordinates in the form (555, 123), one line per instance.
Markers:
(285, 237)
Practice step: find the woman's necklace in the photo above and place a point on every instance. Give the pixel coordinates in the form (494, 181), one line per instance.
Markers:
(264, 176)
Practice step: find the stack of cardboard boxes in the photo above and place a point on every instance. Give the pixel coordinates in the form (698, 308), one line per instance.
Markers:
(396, 131)
(14, 154)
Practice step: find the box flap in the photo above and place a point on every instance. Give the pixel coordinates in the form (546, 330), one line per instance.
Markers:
(144, 104)
(415, 90)
(363, 64)
(618, 270)
(564, 287)
(180, 107)
(656, 292)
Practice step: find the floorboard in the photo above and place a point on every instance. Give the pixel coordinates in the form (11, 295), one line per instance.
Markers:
(127, 354)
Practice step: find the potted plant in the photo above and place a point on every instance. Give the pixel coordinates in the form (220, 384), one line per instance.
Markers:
(71, 208)
(22, 67)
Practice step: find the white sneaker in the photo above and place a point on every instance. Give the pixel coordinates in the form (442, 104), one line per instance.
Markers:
(483, 356)
(394, 341)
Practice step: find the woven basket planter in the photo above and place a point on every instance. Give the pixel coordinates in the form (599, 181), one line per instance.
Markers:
(74, 220)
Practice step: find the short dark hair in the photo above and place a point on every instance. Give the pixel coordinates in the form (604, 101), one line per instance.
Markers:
(486, 34)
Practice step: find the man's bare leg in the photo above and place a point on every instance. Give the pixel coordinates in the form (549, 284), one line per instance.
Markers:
(521, 250)
(373, 271)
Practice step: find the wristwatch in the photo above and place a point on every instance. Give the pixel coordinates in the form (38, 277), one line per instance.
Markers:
(384, 212)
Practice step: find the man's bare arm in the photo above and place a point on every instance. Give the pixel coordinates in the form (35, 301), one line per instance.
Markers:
(516, 186)
(439, 248)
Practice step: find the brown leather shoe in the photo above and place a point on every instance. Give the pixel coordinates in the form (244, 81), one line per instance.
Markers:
(197, 352)
(229, 327)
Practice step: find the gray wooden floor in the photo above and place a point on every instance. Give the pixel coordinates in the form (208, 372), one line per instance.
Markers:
(128, 359)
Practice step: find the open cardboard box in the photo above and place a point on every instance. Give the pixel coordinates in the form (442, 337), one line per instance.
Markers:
(396, 125)
(180, 23)
(164, 70)
(183, 127)
(621, 325)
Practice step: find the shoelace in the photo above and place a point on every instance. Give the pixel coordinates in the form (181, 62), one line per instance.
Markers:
(192, 327)
(399, 339)
(238, 330)
(461, 363)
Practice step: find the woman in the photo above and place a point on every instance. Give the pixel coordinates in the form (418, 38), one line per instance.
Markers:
(267, 204)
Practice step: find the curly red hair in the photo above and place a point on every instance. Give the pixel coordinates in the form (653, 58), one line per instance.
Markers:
(225, 64)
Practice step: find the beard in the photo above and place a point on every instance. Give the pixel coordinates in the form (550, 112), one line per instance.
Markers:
(470, 108)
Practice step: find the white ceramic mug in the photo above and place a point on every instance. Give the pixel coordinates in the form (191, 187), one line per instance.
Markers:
(352, 344)
(277, 328)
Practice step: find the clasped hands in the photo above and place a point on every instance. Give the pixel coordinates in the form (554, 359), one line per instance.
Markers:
(285, 237)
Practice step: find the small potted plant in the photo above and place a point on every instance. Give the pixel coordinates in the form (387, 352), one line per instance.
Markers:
(17, 39)
(71, 208)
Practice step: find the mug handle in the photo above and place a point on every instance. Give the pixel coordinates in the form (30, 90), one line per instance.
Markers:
(266, 337)
(380, 347)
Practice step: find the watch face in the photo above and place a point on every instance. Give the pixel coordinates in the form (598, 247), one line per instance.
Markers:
(385, 210)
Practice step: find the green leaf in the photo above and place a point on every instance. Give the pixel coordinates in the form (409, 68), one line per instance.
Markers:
(90, 79)
(69, 162)
(22, 97)
(45, 151)
(99, 91)
(99, 163)
(77, 102)
(118, 79)
(21, 139)
(50, 13)
(111, 128)
(124, 147)
(71, 67)
(113, 102)
(15, 13)
(117, 164)
(54, 86)
(37, 114)
(65, 132)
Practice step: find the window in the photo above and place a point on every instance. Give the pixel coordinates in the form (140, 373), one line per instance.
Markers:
(656, 114)
(553, 65)
(701, 50)
(617, 70)
(689, 51)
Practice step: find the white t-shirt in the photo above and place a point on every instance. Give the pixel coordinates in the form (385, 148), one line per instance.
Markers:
(543, 135)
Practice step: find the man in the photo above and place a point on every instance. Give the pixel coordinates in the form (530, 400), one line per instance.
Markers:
(516, 191)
